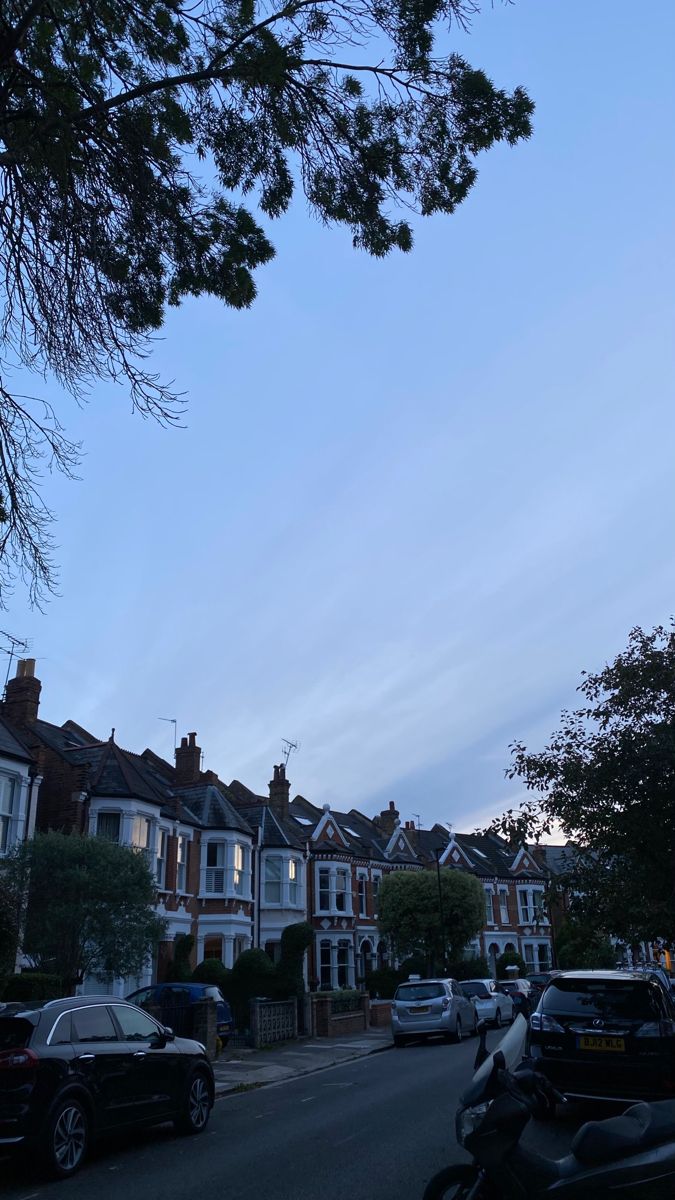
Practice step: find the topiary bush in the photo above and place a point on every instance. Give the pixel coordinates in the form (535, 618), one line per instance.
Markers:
(211, 970)
(510, 958)
(179, 969)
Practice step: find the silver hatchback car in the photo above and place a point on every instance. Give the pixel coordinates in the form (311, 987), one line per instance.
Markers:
(424, 1007)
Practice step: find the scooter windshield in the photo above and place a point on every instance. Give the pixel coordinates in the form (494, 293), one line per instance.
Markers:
(512, 1047)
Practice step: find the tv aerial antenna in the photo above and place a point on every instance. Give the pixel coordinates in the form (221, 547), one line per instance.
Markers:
(15, 644)
(288, 749)
(174, 722)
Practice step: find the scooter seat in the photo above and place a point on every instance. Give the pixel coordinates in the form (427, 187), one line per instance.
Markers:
(641, 1125)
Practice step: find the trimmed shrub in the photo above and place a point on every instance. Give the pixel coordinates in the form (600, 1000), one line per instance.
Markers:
(510, 959)
(211, 970)
(179, 969)
(34, 985)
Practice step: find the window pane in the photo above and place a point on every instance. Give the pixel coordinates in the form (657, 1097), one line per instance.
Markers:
(341, 891)
(6, 796)
(108, 826)
(324, 890)
(215, 854)
(140, 836)
(93, 1025)
(273, 880)
(181, 866)
(135, 1025)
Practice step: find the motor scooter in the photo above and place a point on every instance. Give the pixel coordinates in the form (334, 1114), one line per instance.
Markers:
(631, 1156)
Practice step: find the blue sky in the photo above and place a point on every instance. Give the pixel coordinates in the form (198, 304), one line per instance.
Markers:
(415, 497)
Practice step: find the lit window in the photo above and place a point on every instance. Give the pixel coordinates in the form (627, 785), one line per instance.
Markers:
(293, 881)
(140, 835)
(238, 869)
(181, 863)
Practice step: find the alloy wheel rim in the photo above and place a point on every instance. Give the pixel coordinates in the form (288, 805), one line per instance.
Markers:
(199, 1102)
(70, 1135)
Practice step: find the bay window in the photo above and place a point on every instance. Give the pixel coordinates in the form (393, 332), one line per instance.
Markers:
(214, 881)
(6, 812)
(238, 879)
(293, 881)
(108, 826)
(140, 834)
(162, 842)
(181, 863)
(273, 879)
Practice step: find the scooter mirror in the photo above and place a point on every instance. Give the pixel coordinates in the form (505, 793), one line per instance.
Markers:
(482, 1052)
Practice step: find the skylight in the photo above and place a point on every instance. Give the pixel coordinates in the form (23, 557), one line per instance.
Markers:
(304, 820)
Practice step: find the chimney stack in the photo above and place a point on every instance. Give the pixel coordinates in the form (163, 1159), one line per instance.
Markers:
(387, 819)
(280, 788)
(188, 760)
(22, 694)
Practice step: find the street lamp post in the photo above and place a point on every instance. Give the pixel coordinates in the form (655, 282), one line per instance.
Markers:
(438, 851)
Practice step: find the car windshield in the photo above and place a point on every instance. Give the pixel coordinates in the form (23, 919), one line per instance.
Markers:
(609, 998)
(14, 1033)
(419, 991)
(476, 989)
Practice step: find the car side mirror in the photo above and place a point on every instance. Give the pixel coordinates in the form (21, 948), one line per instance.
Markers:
(166, 1034)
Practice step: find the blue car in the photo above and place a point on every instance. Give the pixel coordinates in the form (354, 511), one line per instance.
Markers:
(174, 1001)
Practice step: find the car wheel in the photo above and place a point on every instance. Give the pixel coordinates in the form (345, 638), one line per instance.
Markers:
(458, 1030)
(399, 1040)
(196, 1109)
(498, 1019)
(66, 1139)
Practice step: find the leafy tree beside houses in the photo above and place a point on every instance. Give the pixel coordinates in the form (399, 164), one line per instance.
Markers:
(418, 921)
(82, 906)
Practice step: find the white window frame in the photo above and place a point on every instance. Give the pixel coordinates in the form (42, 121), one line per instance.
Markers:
(293, 882)
(8, 813)
(489, 907)
(504, 906)
(182, 841)
(376, 881)
(161, 859)
(103, 812)
(276, 882)
(215, 873)
(362, 890)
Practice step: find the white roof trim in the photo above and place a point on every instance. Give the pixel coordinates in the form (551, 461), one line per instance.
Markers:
(327, 818)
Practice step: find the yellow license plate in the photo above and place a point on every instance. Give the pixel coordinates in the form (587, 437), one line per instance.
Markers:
(598, 1042)
(424, 1009)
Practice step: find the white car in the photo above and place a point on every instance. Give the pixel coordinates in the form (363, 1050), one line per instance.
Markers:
(491, 1003)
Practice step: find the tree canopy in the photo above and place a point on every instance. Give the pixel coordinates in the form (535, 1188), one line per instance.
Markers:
(409, 913)
(139, 137)
(606, 780)
(86, 905)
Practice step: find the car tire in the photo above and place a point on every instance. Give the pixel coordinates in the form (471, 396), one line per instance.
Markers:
(399, 1040)
(65, 1140)
(498, 1019)
(196, 1106)
(453, 1183)
(458, 1030)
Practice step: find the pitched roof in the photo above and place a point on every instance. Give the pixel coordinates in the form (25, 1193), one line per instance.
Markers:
(274, 830)
(115, 772)
(211, 807)
(11, 745)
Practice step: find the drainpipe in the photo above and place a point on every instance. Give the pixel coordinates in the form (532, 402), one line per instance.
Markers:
(258, 886)
(31, 815)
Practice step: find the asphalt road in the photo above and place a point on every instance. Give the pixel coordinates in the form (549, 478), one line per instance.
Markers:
(373, 1129)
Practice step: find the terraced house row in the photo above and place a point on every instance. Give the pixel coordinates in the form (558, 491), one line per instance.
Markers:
(234, 867)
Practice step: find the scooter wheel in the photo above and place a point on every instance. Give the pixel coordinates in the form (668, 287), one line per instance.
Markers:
(453, 1183)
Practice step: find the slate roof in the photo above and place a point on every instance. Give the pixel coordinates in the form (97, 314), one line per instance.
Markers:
(558, 859)
(62, 737)
(490, 856)
(115, 772)
(10, 744)
(274, 831)
(210, 807)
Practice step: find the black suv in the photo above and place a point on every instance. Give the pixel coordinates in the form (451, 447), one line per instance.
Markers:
(71, 1069)
(606, 1034)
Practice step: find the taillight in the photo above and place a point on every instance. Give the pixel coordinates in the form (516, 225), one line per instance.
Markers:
(17, 1058)
(545, 1024)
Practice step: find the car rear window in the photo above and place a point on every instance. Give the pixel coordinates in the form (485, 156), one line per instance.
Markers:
(419, 991)
(476, 989)
(608, 998)
(14, 1033)
(213, 993)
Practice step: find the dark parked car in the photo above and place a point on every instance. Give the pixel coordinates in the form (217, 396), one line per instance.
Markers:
(71, 1069)
(606, 1034)
(538, 981)
(175, 1003)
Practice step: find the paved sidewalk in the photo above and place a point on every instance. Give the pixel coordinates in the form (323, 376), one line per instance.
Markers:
(241, 1069)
